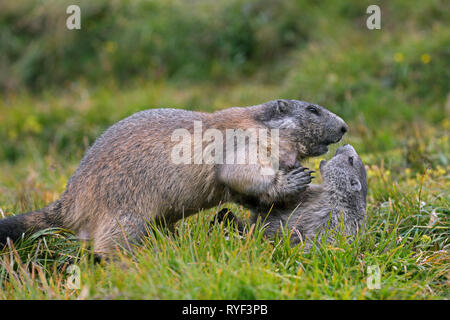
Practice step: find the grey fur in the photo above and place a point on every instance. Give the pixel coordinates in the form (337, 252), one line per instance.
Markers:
(126, 178)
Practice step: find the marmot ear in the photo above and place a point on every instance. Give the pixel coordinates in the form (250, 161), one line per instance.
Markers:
(355, 185)
(282, 106)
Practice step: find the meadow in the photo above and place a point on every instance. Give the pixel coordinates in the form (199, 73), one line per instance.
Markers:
(61, 89)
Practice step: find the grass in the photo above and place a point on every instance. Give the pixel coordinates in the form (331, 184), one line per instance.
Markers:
(391, 86)
(407, 236)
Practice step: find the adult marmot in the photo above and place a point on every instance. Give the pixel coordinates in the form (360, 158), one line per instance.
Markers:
(128, 177)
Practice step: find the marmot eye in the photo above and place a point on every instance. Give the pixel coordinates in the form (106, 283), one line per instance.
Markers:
(313, 109)
(350, 160)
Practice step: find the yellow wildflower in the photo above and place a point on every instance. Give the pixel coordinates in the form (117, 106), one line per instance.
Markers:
(398, 57)
(425, 58)
(110, 46)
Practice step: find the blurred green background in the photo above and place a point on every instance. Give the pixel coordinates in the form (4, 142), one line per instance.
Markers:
(60, 88)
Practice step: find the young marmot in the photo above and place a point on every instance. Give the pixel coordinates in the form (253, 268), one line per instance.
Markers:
(128, 178)
(341, 198)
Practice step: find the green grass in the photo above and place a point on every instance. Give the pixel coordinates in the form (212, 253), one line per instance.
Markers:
(407, 232)
(391, 86)
(408, 241)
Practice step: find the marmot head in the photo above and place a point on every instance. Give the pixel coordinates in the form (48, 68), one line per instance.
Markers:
(309, 126)
(345, 173)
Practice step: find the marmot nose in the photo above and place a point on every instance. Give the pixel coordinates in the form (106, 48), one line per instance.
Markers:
(344, 129)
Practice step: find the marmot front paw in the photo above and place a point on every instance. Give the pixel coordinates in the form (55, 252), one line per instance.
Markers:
(298, 179)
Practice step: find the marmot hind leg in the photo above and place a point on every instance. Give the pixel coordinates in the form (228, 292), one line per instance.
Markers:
(124, 234)
(227, 217)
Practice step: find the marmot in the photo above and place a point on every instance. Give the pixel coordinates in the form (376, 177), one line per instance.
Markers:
(340, 198)
(127, 178)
